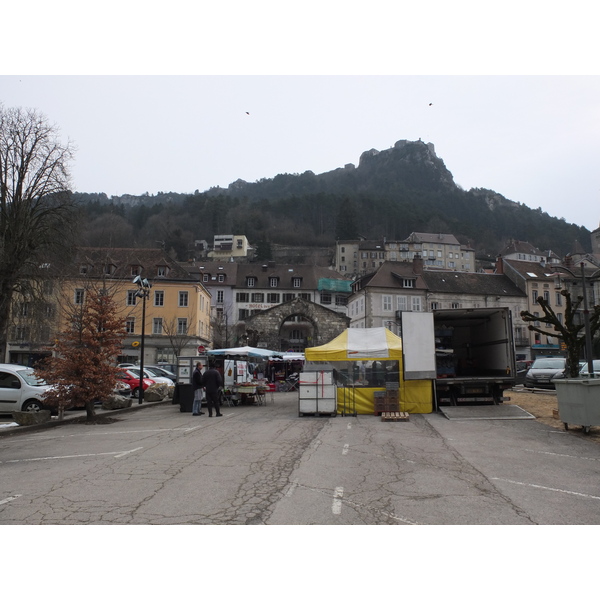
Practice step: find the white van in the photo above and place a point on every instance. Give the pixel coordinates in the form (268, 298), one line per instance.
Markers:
(20, 390)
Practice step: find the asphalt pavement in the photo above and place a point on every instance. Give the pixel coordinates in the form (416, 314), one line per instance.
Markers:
(266, 465)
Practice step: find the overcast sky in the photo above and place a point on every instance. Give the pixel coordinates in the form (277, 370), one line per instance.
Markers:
(528, 133)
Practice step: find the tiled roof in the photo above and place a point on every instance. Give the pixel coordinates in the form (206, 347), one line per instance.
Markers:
(454, 282)
(123, 259)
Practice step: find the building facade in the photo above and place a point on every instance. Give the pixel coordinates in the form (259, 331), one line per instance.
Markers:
(439, 251)
(177, 307)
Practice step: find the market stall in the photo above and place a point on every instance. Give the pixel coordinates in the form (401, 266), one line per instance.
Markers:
(242, 369)
(367, 363)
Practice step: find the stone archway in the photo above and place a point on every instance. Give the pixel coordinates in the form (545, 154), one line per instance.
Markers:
(266, 326)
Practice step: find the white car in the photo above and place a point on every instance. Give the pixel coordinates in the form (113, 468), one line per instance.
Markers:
(149, 374)
(20, 390)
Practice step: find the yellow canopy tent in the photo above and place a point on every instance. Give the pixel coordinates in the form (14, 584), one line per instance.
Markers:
(377, 343)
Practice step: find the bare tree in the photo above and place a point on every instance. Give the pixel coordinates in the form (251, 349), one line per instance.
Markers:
(178, 334)
(36, 208)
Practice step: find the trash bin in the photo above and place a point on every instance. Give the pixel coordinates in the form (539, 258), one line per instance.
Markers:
(184, 396)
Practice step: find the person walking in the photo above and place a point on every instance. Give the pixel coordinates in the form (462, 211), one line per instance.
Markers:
(198, 387)
(212, 382)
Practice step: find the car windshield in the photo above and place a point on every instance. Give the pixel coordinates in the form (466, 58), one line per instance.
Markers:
(549, 363)
(30, 378)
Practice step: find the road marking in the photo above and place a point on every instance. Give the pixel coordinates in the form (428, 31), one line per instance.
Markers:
(127, 452)
(115, 454)
(338, 494)
(10, 499)
(346, 448)
(542, 487)
(565, 455)
(186, 430)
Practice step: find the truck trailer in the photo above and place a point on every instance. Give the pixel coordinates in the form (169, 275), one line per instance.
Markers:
(469, 353)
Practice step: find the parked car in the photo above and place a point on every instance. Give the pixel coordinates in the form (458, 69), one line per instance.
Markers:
(20, 389)
(522, 368)
(542, 370)
(150, 374)
(563, 373)
(585, 372)
(162, 372)
(133, 381)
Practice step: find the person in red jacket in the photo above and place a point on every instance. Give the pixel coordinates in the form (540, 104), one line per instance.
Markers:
(212, 382)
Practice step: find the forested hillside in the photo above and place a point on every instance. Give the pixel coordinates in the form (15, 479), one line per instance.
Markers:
(389, 194)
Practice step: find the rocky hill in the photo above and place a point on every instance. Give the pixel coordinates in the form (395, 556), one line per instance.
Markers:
(389, 194)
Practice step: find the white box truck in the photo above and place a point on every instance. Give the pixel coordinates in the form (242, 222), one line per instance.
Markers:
(469, 353)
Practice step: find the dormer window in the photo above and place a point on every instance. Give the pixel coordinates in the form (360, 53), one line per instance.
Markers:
(296, 282)
(221, 278)
(273, 282)
(408, 283)
(251, 281)
(135, 270)
(109, 269)
(84, 269)
(162, 271)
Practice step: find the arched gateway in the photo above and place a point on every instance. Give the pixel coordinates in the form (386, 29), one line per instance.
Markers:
(294, 325)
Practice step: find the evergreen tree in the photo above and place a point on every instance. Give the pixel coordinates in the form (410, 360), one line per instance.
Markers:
(83, 371)
(346, 227)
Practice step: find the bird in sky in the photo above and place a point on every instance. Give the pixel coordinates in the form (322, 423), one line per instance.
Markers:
(247, 113)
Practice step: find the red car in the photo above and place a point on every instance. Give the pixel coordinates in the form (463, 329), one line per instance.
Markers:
(134, 382)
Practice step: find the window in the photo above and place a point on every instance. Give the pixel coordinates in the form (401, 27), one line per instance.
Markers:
(159, 298)
(416, 303)
(135, 270)
(10, 381)
(559, 299)
(220, 296)
(182, 326)
(273, 281)
(547, 296)
(288, 297)
(161, 271)
(304, 296)
(251, 282)
(325, 298)
(434, 306)
(401, 303)
(455, 305)
(221, 278)
(342, 300)
(408, 283)
(205, 277)
(131, 297)
(258, 297)
(130, 325)
(183, 299)
(157, 326)
(534, 295)
(273, 298)
(78, 298)
(296, 282)
(243, 313)
(386, 303)
(242, 297)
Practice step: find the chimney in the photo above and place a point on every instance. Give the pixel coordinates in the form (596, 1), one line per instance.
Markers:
(417, 264)
(499, 265)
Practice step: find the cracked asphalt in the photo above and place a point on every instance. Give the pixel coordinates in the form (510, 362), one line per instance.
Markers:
(263, 465)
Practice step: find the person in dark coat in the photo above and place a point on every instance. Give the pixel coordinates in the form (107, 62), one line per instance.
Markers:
(212, 382)
(197, 386)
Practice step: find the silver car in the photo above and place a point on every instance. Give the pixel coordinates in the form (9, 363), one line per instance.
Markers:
(542, 371)
(20, 389)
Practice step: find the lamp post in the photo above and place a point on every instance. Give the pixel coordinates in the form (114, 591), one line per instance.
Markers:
(143, 292)
(586, 315)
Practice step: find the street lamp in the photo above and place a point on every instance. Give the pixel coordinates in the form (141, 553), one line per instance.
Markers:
(143, 292)
(586, 314)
